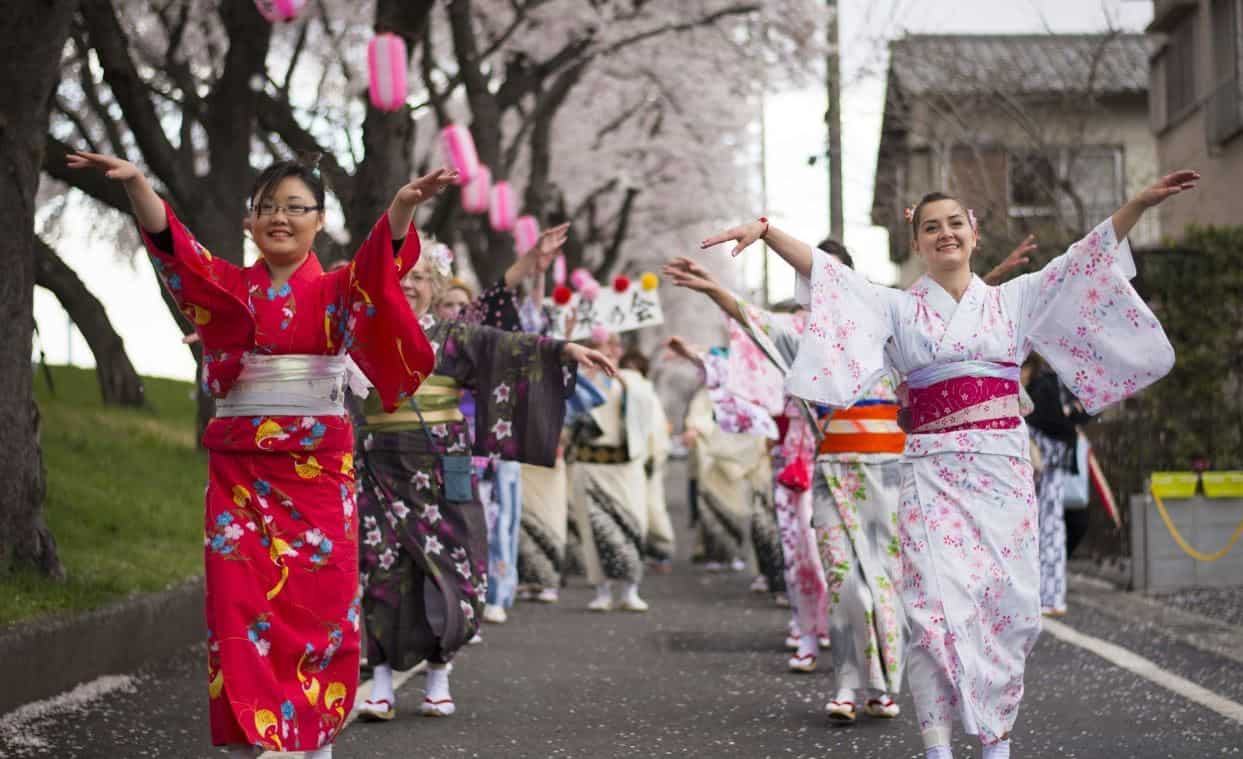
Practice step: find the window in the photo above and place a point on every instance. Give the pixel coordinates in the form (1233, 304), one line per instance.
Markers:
(1094, 185)
(1179, 62)
(1095, 176)
(1225, 105)
(1032, 181)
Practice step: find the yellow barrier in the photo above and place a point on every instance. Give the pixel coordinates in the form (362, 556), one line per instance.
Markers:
(1183, 544)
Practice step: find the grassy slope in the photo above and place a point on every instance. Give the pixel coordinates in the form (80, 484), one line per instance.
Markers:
(125, 496)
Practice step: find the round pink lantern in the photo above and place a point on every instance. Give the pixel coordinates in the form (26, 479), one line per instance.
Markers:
(386, 68)
(277, 11)
(459, 149)
(502, 214)
(477, 194)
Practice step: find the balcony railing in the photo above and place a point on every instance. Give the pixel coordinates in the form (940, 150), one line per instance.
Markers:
(1225, 111)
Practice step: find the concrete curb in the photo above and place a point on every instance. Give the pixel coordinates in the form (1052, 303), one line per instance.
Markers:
(45, 657)
(1196, 630)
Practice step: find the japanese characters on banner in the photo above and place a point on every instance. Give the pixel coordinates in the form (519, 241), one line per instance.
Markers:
(617, 309)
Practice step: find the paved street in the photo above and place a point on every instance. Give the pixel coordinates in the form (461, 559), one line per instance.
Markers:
(701, 675)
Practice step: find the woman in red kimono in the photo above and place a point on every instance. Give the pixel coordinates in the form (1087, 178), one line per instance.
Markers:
(281, 540)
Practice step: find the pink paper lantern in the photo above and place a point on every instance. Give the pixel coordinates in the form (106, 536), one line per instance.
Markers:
(277, 11)
(459, 150)
(386, 68)
(477, 194)
(502, 214)
(526, 234)
(558, 270)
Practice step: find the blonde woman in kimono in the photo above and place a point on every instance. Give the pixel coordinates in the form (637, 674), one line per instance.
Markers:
(967, 514)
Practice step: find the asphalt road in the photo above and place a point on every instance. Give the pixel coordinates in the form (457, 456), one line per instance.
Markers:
(701, 675)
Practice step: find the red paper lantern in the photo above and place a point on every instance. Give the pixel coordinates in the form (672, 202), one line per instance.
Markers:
(561, 295)
(621, 283)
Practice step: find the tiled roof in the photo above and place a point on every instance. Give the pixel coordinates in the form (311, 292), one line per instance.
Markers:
(1021, 64)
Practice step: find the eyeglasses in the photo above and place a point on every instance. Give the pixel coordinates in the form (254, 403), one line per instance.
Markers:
(293, 210)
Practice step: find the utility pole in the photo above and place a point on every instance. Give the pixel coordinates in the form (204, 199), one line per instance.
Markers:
(764, 167)
(834, 118)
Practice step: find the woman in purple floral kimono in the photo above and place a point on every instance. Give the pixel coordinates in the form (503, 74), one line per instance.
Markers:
(423, 535)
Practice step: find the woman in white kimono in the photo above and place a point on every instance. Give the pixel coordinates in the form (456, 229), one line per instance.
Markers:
(967, 516)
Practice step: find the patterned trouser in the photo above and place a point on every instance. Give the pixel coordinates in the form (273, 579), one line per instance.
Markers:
(503, 534)
(1052, 520)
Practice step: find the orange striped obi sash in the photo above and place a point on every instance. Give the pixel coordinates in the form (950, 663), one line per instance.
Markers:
(863, 428)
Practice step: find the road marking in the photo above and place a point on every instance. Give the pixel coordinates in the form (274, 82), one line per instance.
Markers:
(364, 693)
(1146, 669)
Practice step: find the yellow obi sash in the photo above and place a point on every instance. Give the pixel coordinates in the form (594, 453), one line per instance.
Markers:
(439, 399)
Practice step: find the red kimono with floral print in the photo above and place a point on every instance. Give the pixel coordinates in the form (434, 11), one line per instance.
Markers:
(281, 553)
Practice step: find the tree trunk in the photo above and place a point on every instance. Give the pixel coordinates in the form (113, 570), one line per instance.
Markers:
(28, 75)
(119, 383)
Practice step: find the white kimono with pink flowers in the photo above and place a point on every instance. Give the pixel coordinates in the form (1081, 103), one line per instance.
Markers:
(967, 517)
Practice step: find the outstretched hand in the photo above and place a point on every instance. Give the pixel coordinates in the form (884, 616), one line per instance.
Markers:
(1018, 258)
(743, 235)
(148, 207)
(114, 168)
(676, 346)
(589, 358)
(550, 242)
(1170, 184)
(684, 272)
(425, 187)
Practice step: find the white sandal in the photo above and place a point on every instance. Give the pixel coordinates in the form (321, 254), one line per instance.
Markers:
(376, 710)
(841, 711)
(802, 663)
(441, 708)
(883, 707)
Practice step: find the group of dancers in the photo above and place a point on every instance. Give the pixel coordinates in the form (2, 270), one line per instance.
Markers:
(363, 413)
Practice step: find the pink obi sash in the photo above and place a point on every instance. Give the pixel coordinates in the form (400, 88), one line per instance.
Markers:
(964, 395)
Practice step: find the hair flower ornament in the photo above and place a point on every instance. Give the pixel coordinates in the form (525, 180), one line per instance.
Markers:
(442, 258)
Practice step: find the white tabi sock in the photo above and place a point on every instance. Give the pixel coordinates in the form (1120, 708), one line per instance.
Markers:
(604, 592)
(631, 592)
(324, 752)
(438, 682)
(998, 750)
(809, 644)
(939, 752)
(382, 683)
(844, 695)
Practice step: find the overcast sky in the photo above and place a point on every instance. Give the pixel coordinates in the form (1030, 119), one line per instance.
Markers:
(797, 192)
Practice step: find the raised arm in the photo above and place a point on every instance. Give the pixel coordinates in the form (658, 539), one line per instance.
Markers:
(1126, 217)
(147, 205)
(537, 260)
(401, 210)
(795, 252)
(684, 272)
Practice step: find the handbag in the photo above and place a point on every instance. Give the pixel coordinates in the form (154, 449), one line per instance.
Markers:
(796, 475)
(1076, 489)
(457, 469)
